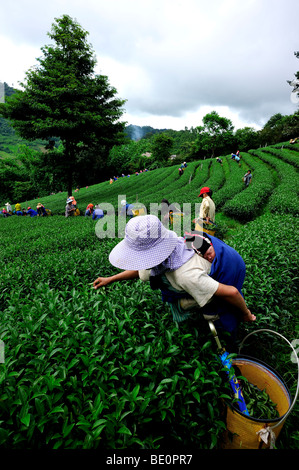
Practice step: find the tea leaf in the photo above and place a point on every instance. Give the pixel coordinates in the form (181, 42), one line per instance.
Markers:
(124, 430)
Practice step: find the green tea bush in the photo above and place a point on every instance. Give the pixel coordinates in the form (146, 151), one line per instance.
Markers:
(232, 186)
(284, 199)
(86, 369)
(188, 193)
(268, 246)
(109, 369)
(286, 152)
(169, 186)
(105, 192)
(216, 176)
(247, 204)
(145, 188)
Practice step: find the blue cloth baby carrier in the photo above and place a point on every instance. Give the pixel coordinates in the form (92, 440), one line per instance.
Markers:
(227, 267)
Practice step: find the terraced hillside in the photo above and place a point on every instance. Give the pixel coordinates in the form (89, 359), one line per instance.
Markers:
(274, 182)
(109, 369)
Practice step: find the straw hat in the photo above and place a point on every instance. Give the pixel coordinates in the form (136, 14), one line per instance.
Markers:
(146, 244)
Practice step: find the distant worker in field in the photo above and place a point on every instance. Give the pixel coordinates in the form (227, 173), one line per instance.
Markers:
(19, 210)
(236, 156)
(180, 171)
(151, 252)
(18, 207)
(237, 160)
(98, 213)
(219, 160)
(31, 212)
(126, 209)
(41, 211)
(74, 203)
(5, 213)
(168, 211)
(89, 210)
(247, 178)
(207, 208)
(8, 208)
(69, 208)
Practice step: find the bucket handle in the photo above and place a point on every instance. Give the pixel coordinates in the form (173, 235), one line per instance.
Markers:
(297, 360)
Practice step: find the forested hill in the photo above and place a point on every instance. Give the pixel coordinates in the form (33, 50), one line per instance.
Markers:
(138, 132)
(9, 140)
(132, 131)
(6, 130)
(8, 90)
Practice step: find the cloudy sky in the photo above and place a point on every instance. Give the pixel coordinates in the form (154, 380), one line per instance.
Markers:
(174, 61)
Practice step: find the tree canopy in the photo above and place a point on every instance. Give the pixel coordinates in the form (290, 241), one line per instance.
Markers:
(216, 133)
(63, 97)
(161, 146)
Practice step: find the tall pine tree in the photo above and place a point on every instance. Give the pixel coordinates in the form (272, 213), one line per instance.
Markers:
(63, 97)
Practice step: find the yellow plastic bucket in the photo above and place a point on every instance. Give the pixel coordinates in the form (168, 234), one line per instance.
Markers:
(203, 228)
(246, 432)
(138, 212)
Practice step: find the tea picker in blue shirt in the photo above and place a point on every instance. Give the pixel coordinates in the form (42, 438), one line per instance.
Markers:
(31, 212)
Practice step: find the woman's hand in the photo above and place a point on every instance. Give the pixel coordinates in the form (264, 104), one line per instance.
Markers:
(122, 276)
(101, 282)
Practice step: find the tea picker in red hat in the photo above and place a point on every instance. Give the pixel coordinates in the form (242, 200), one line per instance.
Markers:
(207, 207)
(89, 210)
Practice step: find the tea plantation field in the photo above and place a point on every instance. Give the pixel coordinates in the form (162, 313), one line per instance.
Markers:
(109, 369)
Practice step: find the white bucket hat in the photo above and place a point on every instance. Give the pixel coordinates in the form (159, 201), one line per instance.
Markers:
(146, 244)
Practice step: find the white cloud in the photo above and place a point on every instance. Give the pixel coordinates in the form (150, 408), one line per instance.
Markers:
(172, 59)
(16, 60)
